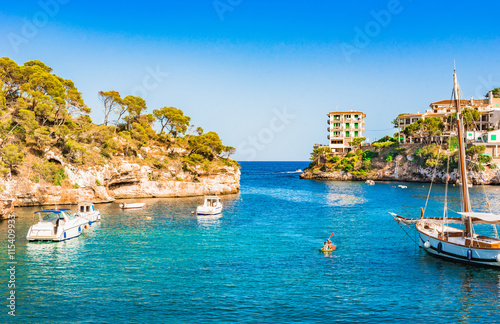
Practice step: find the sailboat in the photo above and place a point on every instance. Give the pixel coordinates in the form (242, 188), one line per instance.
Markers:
(458, 244)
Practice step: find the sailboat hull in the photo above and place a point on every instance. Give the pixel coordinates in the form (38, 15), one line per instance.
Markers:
(461, 253)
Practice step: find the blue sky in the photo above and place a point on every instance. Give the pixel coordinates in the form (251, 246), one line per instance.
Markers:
(263, 74)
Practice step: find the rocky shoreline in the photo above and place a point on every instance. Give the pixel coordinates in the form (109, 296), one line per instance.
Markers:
(122, 179)
(404, 169)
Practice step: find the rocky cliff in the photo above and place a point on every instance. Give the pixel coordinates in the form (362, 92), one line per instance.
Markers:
(404, 169)
(120, 179)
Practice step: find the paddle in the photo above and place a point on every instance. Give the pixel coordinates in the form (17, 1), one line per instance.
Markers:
(333, 246)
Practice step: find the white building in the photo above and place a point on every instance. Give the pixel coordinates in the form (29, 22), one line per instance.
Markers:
(343, 127)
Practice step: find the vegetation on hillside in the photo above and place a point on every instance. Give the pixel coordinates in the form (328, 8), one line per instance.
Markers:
(40, 111)
(360, 162)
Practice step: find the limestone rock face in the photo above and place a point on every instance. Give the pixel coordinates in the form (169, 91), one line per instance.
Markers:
(125, 180)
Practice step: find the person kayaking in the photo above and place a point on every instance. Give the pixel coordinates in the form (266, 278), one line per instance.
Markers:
(328, 246)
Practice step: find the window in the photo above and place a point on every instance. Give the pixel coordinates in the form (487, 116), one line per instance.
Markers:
(407, 120)
(356, 125)
(493, 137)
(356, 134)
(346, 134)
(347, 125)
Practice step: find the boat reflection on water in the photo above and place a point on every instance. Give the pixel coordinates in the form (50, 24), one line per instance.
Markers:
(209, 220)
(65, 251)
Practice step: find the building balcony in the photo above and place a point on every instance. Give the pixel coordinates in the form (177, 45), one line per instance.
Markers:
(328, 129)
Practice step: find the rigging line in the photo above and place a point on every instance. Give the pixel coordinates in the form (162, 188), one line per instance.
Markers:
(404, 230)
(432, 180)
(489, 206)
(445, 211)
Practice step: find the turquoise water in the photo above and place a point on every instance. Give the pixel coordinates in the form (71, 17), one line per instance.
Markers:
(259, 262)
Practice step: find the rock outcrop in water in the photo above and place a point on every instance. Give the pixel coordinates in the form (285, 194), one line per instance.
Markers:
(119, 180)
(405, 168)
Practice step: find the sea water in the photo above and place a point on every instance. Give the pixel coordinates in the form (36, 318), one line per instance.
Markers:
(258, 262)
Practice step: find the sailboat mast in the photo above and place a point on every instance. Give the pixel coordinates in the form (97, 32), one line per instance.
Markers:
(462, 159)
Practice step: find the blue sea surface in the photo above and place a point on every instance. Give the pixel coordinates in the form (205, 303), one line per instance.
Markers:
(258, 262)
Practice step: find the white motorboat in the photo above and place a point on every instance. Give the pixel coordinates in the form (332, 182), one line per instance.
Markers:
(87, 210)
(298, 170)
(211, 206)
(370, 182)
(132, 206)
(56, 225)
(402, 187)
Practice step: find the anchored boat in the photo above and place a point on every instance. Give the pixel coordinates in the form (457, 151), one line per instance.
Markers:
(132, 206)
(56, 225)
(458, 244)
(87, 210)
(211, 206)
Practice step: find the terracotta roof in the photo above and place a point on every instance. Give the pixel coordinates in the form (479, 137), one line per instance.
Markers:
(411, 115)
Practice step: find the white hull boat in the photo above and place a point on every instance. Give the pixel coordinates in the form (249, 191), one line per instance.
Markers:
(56, 225)
(370, 182)
(87, 210)
(211, 206)
(453, 243)
(132, 206)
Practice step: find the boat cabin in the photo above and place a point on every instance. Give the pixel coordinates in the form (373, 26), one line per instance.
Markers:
(86, 207)
(212, 201)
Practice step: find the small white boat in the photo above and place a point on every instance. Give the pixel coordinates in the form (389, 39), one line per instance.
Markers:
(211, 206)
(87, 210)
(56, 225)
(402, 187)
(132, 206)
(370, 182)
(299, 170)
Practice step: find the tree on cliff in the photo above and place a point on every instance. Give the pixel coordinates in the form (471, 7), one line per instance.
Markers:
(172, 119)
(135, 106)
(356, 142)
(112, 102)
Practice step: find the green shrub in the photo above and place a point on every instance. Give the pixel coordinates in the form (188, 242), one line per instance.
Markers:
(492, 166)
(388, 158)
(350, 154)
(484, 159)
(369, 155)
(106, 153)
(334, 159)
(160, 164)
(348, 168)
(478, 167)
(76, 186)
(195, 159)
(383, 144)
(50, 172)
(97, 182)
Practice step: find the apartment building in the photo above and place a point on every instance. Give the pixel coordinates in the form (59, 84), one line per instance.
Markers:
(343, 127)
